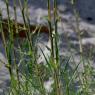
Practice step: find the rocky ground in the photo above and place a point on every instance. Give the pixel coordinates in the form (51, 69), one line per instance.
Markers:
(66, 28)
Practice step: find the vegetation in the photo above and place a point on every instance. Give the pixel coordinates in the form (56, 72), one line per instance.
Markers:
(27, 77)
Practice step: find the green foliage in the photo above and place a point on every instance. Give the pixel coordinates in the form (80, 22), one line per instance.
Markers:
(28, 77)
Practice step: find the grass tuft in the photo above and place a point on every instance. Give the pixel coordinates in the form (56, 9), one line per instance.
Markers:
(27, 77)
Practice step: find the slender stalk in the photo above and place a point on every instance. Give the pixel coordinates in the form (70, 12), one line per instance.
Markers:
(31, 36)
(7, 5)
(10, 48)
(25, 23)
(56, 70)
(83, 79)
(4, 43)
(56, 29)
(15, 14)
(78, 31)
(50, 31)
(2, 33)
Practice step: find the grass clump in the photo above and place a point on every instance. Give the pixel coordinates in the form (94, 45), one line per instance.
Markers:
(27, 77)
